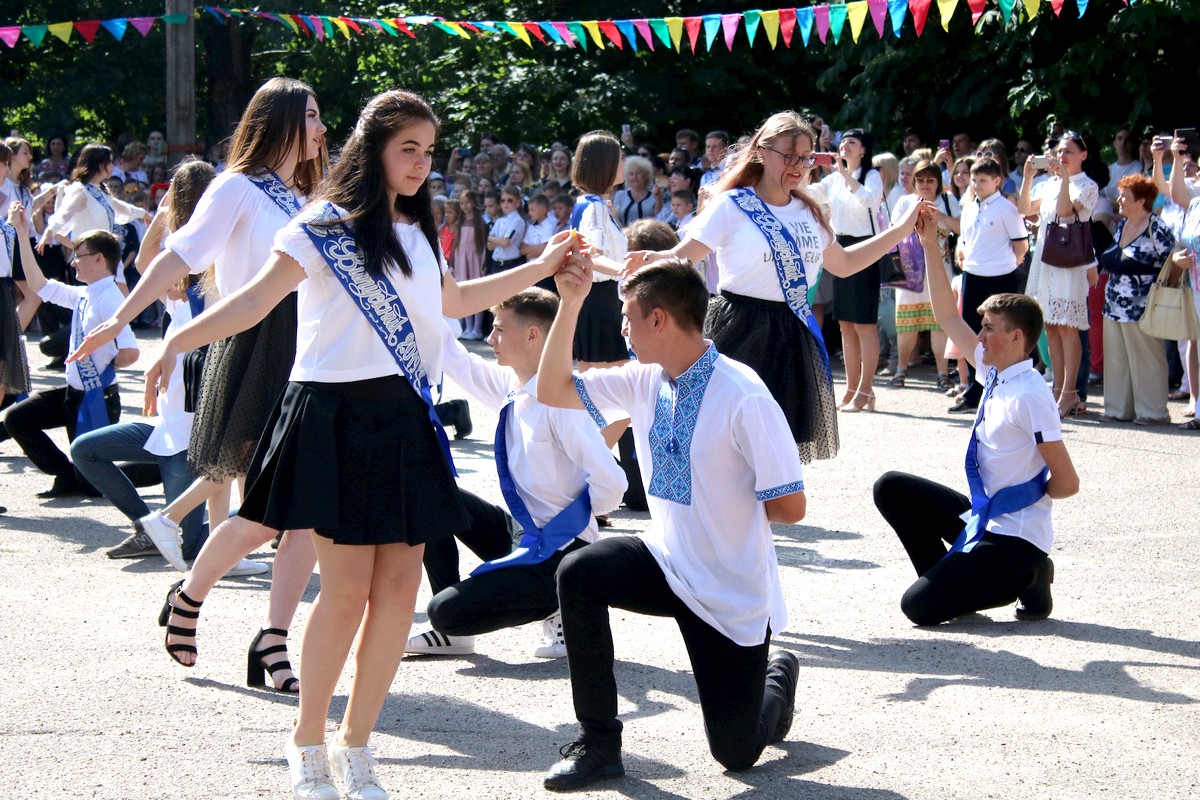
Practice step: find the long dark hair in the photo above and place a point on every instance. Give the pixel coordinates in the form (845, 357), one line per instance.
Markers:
(273, 121)
(358, 185)
(91, 160)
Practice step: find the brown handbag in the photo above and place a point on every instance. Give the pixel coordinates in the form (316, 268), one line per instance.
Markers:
(1068, 244)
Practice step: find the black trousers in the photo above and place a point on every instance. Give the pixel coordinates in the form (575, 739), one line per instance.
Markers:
(925, 515)
(976, 289)
(28, 421)
(730, 679)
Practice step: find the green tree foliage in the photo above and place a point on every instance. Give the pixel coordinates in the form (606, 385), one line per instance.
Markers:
(1115, 64)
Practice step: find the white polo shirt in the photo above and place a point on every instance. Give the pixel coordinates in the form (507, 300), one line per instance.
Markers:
(1019, 414)
(989, 227)
(713, 446)
(540, 232)
(554, 454)
(102, 299)
(510, 227)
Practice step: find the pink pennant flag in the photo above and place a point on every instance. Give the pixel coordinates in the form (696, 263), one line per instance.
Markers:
(878, 14)
(693, 29)
(977, 9)
(87, 29)
(1057, 6)
(318, 28)
(729, 26)
(565, 33)
(920, 12)
(142, 24)
(10, 35)
(821, 13)
(643, 27)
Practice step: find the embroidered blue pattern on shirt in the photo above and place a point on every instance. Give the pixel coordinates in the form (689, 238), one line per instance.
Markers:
(588, 405)
(780, 491)
(675, 413)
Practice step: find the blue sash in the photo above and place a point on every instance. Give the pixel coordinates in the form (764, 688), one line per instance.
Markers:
(789, 266)
(102, 198)
(581, 204)
(1005, 501)
(195, 299)
(10, 238)
(270, 185)
(92, 412)
(380, 304)
(536, 545)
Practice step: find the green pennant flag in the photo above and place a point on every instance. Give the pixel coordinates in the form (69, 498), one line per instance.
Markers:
(752, 18)
(35, 33)
(837, 20)
(580, 32)
(176, 19)
(1006, 8)
(659, 26)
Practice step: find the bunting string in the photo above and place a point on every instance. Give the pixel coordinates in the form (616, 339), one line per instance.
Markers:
(778, 25)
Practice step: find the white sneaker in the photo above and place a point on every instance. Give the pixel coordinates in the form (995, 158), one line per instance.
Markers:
(166, 537)
(309, 771)
(356, 767)
(432, 643)
(553, 645)
(247, 567)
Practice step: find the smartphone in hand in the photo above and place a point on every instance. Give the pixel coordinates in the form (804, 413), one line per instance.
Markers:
(1191, 140)
(1040, 162)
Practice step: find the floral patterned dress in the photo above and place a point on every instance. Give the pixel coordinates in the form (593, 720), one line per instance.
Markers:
(1133, 268)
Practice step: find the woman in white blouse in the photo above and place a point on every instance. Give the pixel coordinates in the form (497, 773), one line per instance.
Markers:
(855, 194)
(276, 157)
(352, 451)
(84, 204)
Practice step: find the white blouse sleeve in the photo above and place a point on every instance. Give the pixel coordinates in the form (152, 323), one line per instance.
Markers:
(292, 241)
(72, 200)
(125, 212)
(205, 235)
(870, 190)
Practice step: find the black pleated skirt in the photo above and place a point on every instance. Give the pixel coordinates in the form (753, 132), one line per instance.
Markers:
(598, 333)
(856, 299)
(243, 378)
(767, 337)
(358, 462)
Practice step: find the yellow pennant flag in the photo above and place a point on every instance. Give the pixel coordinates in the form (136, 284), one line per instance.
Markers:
(947, 8)
(62, 30)
(341, 26)
(454, 26)
(1031, 7)
(291, 23)
(770, 23)
(675, 27)
(521, 33)
(857, 12)
(594, 29)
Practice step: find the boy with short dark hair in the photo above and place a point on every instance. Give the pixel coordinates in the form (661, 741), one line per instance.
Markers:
(683, 207)
(719, 465)
(90, 398)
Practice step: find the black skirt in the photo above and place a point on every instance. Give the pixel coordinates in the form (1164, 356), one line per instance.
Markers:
(767, 337)
(14, 365)
(243, 378)
(856, 299)
(358, 462)
(598, 333)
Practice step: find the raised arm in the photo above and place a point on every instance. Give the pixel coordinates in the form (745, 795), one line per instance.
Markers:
(1178, 187)
(555, 378)
(1025, 202)
(844, 262)
(472, 297)
(691, 249)
(33, 273)
(944, 308)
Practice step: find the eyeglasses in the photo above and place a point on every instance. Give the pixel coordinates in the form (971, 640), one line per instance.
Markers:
(793, 159)
(76, 256)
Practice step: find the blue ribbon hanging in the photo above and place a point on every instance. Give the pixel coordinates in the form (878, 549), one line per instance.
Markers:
(536, 544)
(93, 414)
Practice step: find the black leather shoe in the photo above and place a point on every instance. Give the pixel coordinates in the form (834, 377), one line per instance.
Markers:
(64, 486)
(783, 672)
(1035, 603)
(963, 407)
(462, 419)
(586, 761)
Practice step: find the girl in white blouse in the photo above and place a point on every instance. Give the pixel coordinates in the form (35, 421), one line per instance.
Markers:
(752, 320)
(352, 451)
(276, 157)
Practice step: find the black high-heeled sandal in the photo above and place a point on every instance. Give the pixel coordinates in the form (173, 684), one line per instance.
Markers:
(164, 618)
(257, 666)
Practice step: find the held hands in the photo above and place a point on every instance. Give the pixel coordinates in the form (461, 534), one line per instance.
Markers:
(16, 217)
(640, 258)
(558, 250)
(574, 279)
(927, 221)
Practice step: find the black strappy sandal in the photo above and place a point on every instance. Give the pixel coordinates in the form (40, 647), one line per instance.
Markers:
(164, 618)
(257, 666)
